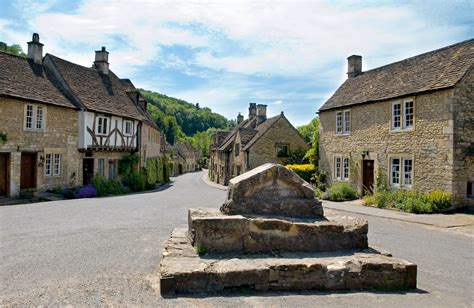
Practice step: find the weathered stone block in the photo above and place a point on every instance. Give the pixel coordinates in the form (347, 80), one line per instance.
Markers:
(271, 189)
(356, 269)
(212, 231)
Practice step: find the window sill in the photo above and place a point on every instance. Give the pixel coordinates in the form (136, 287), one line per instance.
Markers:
(402, 130)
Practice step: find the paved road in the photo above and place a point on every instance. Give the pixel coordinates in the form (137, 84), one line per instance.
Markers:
(101, 251)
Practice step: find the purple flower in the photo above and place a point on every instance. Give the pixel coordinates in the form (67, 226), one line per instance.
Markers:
(87, 191)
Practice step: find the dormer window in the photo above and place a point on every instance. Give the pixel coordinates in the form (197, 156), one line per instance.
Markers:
(102, 127)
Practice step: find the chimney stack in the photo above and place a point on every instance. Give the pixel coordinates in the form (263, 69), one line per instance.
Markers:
(101, 63)
(261, 113)
(252, 110)
(354, 66)
(35, 49)
(240, 118)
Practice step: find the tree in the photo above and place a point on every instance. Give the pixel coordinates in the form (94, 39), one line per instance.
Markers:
(310, 132)
(14, 49)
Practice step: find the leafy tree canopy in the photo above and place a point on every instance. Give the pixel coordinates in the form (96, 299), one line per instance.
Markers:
(310, 132)
(14, 49)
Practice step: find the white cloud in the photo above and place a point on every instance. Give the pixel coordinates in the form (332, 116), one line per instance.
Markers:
(278, 102)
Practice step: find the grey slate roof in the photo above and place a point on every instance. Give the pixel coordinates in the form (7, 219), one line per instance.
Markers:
(97, 92)
(22, 78)
(435, 70)
(262, 129)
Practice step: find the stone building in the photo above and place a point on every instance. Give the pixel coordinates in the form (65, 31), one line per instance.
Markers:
(253, 142)
(406, 125)
(65, 123)
(40, 125)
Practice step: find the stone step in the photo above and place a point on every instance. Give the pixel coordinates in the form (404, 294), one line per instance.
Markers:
(183, 271)
(212, 231)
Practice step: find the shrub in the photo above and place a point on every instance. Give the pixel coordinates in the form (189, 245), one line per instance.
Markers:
(69, 193)
(410, 201)
(127, 164)
(108, 187)
(305, 171)
(87, 191)
(340, 192)
(135, 181)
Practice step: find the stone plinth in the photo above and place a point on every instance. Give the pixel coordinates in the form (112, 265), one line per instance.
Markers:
(212, 231)
(271, 189)
(182, 270)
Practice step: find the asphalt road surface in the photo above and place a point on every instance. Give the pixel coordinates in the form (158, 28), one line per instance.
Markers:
(102, 251)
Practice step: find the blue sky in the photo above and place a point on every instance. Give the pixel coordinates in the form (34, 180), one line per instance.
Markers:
(290, 55)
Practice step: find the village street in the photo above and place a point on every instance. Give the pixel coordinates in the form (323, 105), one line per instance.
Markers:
(102, 251)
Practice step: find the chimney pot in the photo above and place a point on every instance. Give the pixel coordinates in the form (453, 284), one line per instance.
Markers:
(35, 49)
(354, 66)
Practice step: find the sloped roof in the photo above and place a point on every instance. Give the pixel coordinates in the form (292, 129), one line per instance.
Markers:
(22, 78)
(262, 129)
(248, 123)
(246, 134)
(435, 70)
(96, 91)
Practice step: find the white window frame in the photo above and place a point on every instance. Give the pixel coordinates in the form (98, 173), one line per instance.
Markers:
(405, 103)
(402, 172)
(346, 122)
(57, 164)
(31, 119)
(101, 166)
(337, 167)
(48, 160)
(125, 128)
(345, 175)
(402, 115)
(102, 129)
(339, 120)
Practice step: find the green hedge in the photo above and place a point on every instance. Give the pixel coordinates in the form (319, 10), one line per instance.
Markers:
(411, 201)
(108, 187)
(305, 171)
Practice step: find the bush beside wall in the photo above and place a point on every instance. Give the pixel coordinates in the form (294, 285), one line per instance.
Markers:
(435, 201)
(305, 171)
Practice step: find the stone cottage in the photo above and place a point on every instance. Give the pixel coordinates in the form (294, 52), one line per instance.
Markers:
(75, 121)
(253, 142)
(405, 125)
(39, 125)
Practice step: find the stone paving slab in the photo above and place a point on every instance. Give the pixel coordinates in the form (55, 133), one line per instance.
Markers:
(213, 231)
(183, 271)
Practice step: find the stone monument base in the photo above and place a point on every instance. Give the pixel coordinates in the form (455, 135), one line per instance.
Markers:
(183, 271)
(214, 232)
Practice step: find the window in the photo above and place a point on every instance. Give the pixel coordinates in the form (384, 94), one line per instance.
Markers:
(401, 171)
(343, 122)
(408, 115)
(112, 169)
(347, 121)
(337, 167)
(282, 150)
(102, 125)
(34, 118)
(47, 165)
(128, 128)
(470, 192)
(39, 118)
(100, 166)
(345, 170)
(339, 122)
(403, 115)
(237, 149)
(396, 115)
(57, 164)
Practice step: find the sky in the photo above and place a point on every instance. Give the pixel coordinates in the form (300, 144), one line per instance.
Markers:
(290, 55)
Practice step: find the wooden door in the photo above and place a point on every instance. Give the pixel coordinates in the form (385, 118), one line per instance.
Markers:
(87, 170)
(4, 158)
(368, 177)
(28, 171)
